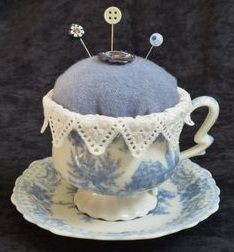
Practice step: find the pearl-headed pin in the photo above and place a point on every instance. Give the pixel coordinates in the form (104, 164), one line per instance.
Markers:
(156, 39)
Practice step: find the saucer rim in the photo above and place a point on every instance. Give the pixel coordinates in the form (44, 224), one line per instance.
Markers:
(198, 219)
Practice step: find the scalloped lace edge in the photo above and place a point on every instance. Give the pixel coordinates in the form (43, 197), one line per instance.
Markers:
(98, 131)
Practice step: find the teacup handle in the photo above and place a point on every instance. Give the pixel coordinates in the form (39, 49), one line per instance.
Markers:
(201, 138)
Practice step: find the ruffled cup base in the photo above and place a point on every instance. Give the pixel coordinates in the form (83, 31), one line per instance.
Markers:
(114, 208)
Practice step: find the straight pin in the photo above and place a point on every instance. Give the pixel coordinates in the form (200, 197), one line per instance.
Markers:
(112, 16)
(77, 31)
(156, 39)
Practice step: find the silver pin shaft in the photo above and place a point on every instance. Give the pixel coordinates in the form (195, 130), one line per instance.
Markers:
(81, 40)
(149, 52)
(112, 37)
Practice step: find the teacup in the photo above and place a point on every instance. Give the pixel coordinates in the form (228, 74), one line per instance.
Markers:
(115, 184)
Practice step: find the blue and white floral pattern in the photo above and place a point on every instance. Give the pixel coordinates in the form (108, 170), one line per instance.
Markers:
(100, 174)
(189, 196)
(164, 197)
(150, 174)
(87, 173)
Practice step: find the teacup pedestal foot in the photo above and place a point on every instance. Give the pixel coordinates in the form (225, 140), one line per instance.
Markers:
(113, 208)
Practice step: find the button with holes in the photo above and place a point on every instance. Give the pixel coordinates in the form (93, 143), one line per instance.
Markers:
(112, 15)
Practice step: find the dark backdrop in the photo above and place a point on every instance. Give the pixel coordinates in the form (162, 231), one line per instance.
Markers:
(35, 49)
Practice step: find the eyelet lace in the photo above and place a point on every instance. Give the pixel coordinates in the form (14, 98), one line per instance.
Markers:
(98, 131)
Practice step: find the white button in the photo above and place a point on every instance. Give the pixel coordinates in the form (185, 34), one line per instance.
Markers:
(112, 15)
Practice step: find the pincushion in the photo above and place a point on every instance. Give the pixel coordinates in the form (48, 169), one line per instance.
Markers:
(94, 87)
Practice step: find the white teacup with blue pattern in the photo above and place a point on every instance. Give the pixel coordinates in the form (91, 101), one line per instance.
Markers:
(118, 163)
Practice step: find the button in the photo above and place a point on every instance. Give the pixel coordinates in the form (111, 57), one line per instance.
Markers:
(112, 15)
(116, 57)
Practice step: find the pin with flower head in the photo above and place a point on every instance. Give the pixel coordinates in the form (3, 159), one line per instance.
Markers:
(156, 39)
(112, 16)
(77, 31)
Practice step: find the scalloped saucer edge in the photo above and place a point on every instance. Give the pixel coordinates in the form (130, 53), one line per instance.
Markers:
(45, 199)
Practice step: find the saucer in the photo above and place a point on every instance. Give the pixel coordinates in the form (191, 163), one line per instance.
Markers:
(45, 199)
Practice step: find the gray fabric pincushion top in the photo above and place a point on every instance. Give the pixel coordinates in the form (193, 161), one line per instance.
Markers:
(94, 87)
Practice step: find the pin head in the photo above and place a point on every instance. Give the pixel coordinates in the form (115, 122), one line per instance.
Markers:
(112, 15)
(156, 39)
(76, 31)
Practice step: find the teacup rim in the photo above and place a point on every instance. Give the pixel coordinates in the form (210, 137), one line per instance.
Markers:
(98, 131)
(184, 98)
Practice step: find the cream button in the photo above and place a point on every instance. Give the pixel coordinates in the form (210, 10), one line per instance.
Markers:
(112, 15)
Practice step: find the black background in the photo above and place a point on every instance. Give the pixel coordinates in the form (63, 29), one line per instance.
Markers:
(35, 49)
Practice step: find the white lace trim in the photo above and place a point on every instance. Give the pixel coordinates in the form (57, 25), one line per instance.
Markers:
(98, 131)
